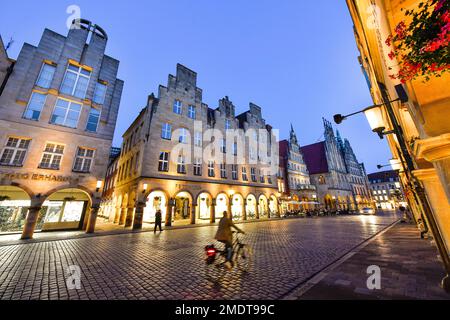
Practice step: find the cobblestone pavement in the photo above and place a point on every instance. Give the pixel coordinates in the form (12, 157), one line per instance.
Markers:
(410, 269)
(171, 265)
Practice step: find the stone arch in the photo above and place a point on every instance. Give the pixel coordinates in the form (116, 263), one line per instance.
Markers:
(251, 206)
(14, 204)
(222, 200)
(237, 207)
(204, 207)
(273, 206)
(184, 201)
(65, 208)
(263, 206)
(155, 200)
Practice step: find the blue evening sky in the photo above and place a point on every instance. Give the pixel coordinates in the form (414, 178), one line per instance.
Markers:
(296, 59)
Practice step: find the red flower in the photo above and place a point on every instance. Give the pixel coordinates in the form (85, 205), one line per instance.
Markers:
(391, 55)
(400, 30)
(389, 41)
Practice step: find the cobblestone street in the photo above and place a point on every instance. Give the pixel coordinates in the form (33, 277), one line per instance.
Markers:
(170, 265)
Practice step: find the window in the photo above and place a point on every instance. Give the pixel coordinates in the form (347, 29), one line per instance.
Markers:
(211, 172)
(51, 159)
(181, 164)
(321, 180)
(93, 119)
(35, 106)
(253, 174)
(46, 75)
(198, 139)
(269, 179)
(223, 171)
(14, 152)
(223, 146)
(177, 107)
(183, 135)
(198, 167)
(166, 132)
(76, 81)
(262, 178)
(191, 112)
(234, 171)
(235, 149)
(100, 93)
(66, 113)
(83, 160)
(252, 154)
(227, 124)
(244, 174)
(163, 164)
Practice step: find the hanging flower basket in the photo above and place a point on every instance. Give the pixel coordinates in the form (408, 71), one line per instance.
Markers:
(422, 47)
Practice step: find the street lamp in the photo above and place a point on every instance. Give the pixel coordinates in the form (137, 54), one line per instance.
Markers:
(395, 164)
(99, 185)
(374, 114)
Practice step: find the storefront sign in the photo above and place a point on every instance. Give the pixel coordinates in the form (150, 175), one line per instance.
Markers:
(189, 186)
(35, 177)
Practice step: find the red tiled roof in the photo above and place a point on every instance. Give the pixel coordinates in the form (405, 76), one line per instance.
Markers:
(315, 158)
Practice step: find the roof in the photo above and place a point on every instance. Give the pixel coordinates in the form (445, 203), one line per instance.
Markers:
(315, 158)
(384, 176)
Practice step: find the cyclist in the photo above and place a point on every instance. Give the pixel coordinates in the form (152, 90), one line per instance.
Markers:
(225, 235)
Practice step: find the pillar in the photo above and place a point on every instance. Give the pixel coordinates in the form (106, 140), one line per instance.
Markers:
(257, 210)
(129, 217)
(168, 221)
(117, 214)
(30, 222)
(139, 215)
(92, 218)
(193, 213)
(212, 211)
(230, 205)
(244, 209)
(123, 215)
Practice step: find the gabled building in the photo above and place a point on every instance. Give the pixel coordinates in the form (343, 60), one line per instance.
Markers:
(58, 113)
(356, 174)
(298, 193)
(177, 157)
(328, 172)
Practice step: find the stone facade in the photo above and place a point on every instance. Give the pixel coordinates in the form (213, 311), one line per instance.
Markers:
(356, 174)
(328, 172)
(178, 157)
(298, 193)
(58, 113)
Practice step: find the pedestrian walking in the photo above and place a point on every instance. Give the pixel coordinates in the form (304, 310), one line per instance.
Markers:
(158, 220)
(422, 229)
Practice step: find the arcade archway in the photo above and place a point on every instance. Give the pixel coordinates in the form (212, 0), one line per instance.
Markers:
(156, 200)
(14, 204)
(204, 204)
(251, 207)
(263, 207)
(237, 207)
(221, 205)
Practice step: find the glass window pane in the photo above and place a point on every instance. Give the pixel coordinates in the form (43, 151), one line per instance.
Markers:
(35, 105)
(68, 83)
(46, 76)
(99, 93)
(81, 87)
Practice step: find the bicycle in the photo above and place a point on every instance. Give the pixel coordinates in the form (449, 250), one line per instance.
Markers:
(216, 259)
